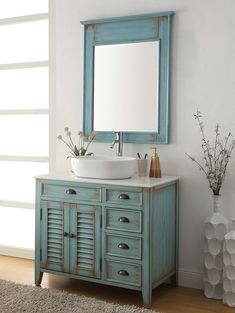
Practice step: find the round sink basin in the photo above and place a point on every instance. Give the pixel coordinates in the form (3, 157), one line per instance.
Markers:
(104, 167)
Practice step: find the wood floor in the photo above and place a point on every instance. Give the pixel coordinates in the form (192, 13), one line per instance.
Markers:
(166, 298)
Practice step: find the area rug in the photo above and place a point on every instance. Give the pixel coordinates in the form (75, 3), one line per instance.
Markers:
(16, 298)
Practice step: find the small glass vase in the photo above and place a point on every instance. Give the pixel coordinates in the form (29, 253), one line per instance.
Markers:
(216, 227)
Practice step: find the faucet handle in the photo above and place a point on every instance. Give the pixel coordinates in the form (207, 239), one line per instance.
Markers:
(119, 142)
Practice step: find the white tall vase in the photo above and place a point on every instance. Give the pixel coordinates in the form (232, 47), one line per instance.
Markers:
(216, 226)
(229, 269)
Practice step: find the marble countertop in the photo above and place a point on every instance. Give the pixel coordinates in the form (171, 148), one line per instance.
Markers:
(136, 181)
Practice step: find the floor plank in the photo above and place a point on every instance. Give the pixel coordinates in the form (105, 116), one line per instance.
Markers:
(166, 298)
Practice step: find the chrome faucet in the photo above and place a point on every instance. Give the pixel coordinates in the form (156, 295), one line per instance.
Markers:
(119, 142)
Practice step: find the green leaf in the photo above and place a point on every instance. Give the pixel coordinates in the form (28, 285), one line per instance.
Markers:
(82, 151)
(76, 151)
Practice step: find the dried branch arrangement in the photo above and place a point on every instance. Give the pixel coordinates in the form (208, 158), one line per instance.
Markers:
(215, 156)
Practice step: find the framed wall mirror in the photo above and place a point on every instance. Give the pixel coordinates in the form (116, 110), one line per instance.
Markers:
(126, 77)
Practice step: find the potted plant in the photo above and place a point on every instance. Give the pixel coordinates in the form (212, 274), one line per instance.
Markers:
(81, 147)
(78, 148)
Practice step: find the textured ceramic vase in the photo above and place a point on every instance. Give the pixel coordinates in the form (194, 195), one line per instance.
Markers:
(229, 269)
(216, 227)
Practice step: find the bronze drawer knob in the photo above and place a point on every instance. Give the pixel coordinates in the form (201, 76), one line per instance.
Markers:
(123, 219)
(123, 246)
(123, 273)
(123, 196)
(70, 192)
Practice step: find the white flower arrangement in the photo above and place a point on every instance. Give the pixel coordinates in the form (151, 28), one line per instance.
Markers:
(81, 148)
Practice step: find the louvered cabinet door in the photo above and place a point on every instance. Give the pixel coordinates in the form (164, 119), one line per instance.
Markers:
(54, 244)
(85, 230)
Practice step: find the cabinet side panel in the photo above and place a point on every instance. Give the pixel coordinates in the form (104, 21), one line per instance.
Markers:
(164, 228)
(38, 275)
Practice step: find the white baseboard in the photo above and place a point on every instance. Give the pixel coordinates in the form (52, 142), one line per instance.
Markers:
(17, 252)
(190, 279)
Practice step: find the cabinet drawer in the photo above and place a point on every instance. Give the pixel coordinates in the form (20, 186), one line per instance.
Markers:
(72, 192)
(129, 274)
(121, 246)
(124, 197)
(122, 219)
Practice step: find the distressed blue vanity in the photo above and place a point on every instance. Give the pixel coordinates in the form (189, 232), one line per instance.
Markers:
(116, 232)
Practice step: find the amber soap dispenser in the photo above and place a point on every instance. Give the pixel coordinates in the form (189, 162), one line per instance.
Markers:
(155, 169)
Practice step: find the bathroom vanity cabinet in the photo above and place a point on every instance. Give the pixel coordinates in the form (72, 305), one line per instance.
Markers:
(116, 232)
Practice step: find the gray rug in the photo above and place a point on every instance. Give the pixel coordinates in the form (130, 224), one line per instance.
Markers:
(16, 298)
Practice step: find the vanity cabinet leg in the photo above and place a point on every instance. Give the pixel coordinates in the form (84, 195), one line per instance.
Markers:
(38, 277)
(147, 298)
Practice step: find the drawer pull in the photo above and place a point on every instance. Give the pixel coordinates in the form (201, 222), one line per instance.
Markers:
(123, 219)
(71, 235)
(123, 273)
(123, 246)
(123, 196)
(66, 234)
(70, 192)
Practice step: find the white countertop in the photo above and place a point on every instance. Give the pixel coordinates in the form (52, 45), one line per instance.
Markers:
(135, 181)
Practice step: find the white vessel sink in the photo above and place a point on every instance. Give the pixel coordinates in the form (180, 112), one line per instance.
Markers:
(104, 167)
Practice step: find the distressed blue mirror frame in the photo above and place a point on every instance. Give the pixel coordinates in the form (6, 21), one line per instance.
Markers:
(129, 29)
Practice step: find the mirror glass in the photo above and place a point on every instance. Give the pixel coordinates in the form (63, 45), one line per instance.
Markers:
(126, 87)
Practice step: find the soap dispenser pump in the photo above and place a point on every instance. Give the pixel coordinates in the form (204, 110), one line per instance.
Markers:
(155, 169)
